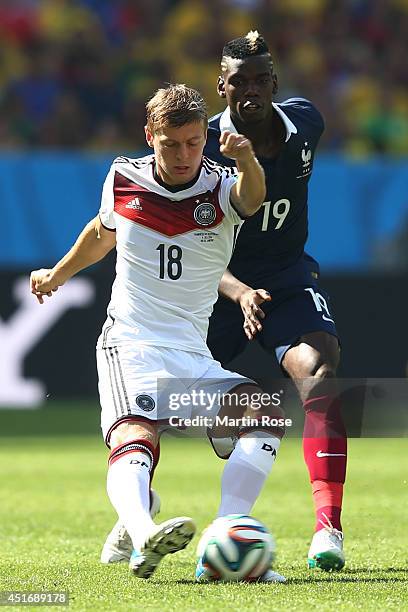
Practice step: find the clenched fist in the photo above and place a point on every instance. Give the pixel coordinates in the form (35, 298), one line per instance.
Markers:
(42, 282)
(235, 146)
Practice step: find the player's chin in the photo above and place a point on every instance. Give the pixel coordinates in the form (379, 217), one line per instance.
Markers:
(181, 176)
(253, 116)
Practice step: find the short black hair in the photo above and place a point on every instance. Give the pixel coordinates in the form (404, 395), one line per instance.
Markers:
(244, 46)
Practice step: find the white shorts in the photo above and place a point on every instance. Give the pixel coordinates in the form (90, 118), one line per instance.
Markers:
(159, 384)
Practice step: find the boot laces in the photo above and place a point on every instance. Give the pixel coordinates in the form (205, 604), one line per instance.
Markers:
(329, 527)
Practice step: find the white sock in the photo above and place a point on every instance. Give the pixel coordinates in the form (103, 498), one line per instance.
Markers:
(128, 486)
(245, 472)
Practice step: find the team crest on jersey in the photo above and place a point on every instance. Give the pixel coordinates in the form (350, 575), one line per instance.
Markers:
(306, 156)
(205, 213)
(145, 402)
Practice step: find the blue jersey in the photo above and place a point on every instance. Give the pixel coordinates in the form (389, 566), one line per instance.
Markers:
(269, 251)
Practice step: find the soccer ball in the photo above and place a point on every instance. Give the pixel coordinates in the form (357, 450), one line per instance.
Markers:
(236, 547)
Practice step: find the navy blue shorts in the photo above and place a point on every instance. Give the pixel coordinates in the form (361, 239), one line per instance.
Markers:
(292, 313)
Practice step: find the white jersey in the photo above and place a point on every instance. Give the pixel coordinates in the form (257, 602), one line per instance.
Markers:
(172, 250)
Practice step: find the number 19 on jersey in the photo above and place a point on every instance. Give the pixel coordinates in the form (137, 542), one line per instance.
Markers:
(279, 211)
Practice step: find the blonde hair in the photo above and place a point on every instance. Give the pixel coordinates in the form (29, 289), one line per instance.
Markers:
(175, 106)
(253, 38)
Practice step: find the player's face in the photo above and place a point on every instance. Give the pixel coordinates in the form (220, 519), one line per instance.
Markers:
(248, 86)
(178, 151)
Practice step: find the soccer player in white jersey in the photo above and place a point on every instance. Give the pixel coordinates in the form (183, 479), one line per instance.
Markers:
(171, 217)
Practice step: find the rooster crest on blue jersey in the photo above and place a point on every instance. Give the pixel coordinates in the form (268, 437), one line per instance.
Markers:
(235, 548)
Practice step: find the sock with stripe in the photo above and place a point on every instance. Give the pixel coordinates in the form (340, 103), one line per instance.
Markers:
(246, 471)
(128, 486)
(325, 453)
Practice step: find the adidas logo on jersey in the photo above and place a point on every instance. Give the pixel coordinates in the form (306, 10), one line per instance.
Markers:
(134, 204)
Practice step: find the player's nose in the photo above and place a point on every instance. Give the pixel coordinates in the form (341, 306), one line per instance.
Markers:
(182, 152)
(252, 89)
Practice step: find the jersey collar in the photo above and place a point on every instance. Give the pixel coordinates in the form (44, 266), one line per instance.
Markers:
(226, 122)
(176, 188)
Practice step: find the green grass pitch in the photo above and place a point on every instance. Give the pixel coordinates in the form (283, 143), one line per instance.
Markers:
(54, 515)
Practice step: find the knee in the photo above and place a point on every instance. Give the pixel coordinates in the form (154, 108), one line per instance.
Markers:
(264, 412)
(268, 417)
(253, 402)
(322, 370)
(267, 411)
(316, 356)
(250, 409)
(314, 364)
(319, 380)
(134, 430)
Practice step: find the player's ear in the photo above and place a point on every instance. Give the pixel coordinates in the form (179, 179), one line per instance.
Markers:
(221, 87)
(275, 84)
(149, 136)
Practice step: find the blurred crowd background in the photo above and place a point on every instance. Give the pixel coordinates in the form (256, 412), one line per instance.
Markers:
(74, 79)
(76, 73)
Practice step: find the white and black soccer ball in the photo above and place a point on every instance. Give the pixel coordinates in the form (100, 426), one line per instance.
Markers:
(236, 547)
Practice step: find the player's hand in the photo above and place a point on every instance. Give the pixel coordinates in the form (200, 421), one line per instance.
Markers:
(250, 302)
(235, 146)
(43, 282)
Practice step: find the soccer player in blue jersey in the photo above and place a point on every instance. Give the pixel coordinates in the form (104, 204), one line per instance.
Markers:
(295, 323)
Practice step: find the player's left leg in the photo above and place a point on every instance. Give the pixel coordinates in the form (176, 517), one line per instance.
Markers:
(252, 453)
(312, 364)
(301, 331)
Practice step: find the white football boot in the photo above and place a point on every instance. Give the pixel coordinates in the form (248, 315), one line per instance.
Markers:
(271, 576)
(168, 537)
(118, 546)
(326, 549)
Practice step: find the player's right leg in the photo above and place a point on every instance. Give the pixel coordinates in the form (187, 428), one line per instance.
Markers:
(130, 463)
(131, 429)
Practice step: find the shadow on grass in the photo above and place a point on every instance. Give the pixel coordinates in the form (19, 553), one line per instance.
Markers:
(364, 570)
(344, 578)
(348, 575)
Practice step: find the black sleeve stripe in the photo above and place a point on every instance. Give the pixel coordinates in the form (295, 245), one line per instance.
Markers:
(138, 163)
(226, 171)
(210, 162)
(110, 229)
(209, 169)
(142, 162)
(212, 166)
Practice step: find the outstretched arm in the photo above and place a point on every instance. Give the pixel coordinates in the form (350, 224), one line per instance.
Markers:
(92, 244)
(249, 299)
(249, 192)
